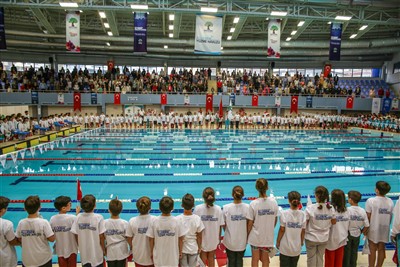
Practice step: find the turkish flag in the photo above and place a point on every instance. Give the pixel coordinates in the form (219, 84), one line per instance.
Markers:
(349, 102)
(110, 65)
(327, 69)
(78, 190)
(77, 101)
(209, 102)
(221, 109)
(163, 99)
(220, 255)
(294, 104)
(117, 99)
(254, 101)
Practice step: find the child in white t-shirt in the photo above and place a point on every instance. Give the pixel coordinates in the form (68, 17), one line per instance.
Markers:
(213, 220)
(379, 211)
(291, 232)
(136, 233)
(166, 236)
(116, 244)
(194, 226)
(358, 224)
(320, 217)
(34, 233)
(339, 231)
(394, 235)
(262, 219)
(8, 255)
(66, 245)
(235, 238)
(90, 228)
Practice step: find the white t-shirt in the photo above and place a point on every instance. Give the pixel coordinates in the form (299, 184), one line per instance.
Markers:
(138, 227)
(294, 222)
(89, 227)
(166, 231)
(263, 213)
(65, 240)
(358, 220)
(319, 222)
(35, 247)
(396, 221)
(339, 231)
(212, 219)
(381, 209)
(8, 256)
(193, 225)
(235, 237)
(116, 244)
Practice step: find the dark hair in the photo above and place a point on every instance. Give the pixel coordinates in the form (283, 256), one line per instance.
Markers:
(354, 195)
(188, 202)
(61, 201)
(294, 198)
(323, 196)
(209, 196)
(32, 204)
(338, 200)
(237, 192)
(88, 202)
(115, 207)
(262, 185)
(143, 205)
(166, 205)
(383, 187)
(4, 202)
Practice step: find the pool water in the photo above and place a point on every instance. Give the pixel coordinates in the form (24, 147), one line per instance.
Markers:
(129, 164)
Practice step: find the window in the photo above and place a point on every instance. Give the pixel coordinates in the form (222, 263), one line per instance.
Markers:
(367, 73)
(7, 65)
(347, 73)
(309, 72)
(281, 72)
(396, 67)
(339, 72)
(301, 71)
(19, 66)
(292, 72)
(357, 72)
(317, 71)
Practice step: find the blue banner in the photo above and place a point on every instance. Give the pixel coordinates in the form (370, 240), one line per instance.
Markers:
(140, 33)
(387, 104)
(336, 41)
(3, 45)
(35, 97)
(232, 98)
(309, 102)
(93, 98)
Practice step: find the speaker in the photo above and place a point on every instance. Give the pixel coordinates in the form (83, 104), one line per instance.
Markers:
(219, 64)
(272, 64)
(51, 60)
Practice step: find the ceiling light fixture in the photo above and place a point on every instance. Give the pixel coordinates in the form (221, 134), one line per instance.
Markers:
(288, 39)
(68, 4)
(110, 33)
(363, 27)
(293, 32)
(102, 14)
(301, 23)
(171, 16)
(165, 46)
(171, 35)
(171, 27)
(329, 22)
(278, 13)
(222, 48)
(209, 9)
(236, 20)
(106, 25)
(343, 18)
(229, 38)
(353, 36)
(232, 30)
(141, 7)
(108, 44)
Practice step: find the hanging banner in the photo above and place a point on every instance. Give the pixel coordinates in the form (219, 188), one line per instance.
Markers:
(395, 104)
(187, 100)
(72, 21)
(232, 98)
(294, 104)
(254, 101)
(349, 102)
(163, 99)
(376, 105)
(93, 99)
(60, 98)
(3, 45)
(327, 69)
(387, 103)
(209, 103)
(110, 65)
(208, 35)
(274, 38)
(35, 97)
(336, 41)
(3, 159)
(77, 101)
(309, 101)
(277, 101)
(140, 33)
(117, 99)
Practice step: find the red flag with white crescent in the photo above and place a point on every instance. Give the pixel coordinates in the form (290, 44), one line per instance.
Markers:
(221, 109)
(327, 69)
(254, 101)
(163, 99)
(117, 99)
(294, 104)
(349, 102)
(78, 190)
(77, 101)
(209, 102)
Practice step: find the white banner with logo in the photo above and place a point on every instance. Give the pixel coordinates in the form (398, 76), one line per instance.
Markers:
(274, 38)
(60, 98)
(73, 42)
(395, 104)
(187, 100)
(376, 105)
(277, 101)
(208, 35)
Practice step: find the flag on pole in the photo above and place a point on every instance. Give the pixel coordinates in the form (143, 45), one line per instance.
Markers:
(221, 109)
(220, 255)
(78, 190)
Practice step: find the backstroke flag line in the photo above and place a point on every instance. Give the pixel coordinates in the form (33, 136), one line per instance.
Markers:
(140, 33)
(336, 41)
(274, 38)
(3, 45)
(208, 35)
(73, 42)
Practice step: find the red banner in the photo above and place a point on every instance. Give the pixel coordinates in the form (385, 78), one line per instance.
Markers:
(163, 99)
(78, 190)
(209, 102)
(117, 99)
(221, 109)
(294, 104)
(110, 65)
(349, 102)
(327, 69)
(254, 101)
(77, 101)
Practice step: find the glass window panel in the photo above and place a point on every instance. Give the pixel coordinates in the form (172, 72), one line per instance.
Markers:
(276, 72)
(317, 71)
(347, 73)
(263, 71)
(292, 72)
(310, 72)
(27, 65)
(281, 72)
(357, 72)
(367, 73)
(301, 71)
(19, 65)
(7, 65)
(339, 72)
(90, 68)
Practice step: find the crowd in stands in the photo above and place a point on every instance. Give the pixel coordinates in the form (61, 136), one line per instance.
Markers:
(184, 81)
(329, 228)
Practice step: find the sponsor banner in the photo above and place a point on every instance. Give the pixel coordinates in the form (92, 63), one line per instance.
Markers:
(274, 38)
(187, 100)
(309, 101)
(208, 35)
(336, 41)
(60, 98)
(3, 45)
(93, 98)
(376, 105)
(35, 97)
(73, 42)
(395, 104)
(387, 103)
(232, 99)
(277, 101)
(140, 33)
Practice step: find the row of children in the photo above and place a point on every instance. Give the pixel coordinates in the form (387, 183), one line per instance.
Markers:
(327, 228)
